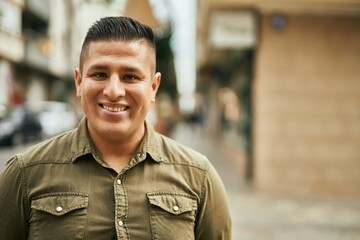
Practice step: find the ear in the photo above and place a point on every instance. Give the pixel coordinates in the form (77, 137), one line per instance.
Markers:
(155, 85)
(78, 80)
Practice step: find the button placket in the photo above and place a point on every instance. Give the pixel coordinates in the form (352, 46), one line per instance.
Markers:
(121, 208)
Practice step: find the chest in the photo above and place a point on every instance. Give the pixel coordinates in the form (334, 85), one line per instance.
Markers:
(98, 204)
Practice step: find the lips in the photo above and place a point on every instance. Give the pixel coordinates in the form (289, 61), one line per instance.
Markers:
(114, 108)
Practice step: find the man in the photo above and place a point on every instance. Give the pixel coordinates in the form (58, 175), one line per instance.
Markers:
(113, 177)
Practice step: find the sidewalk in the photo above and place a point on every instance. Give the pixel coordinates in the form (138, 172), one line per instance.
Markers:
(260, 216)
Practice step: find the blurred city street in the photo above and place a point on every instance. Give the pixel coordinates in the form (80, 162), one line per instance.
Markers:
(266, 216)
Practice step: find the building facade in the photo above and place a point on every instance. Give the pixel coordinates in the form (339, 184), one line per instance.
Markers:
(11, 48)
(295, 66)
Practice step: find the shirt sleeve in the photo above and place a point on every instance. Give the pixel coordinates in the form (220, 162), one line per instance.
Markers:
(213, 218)
(12, 218)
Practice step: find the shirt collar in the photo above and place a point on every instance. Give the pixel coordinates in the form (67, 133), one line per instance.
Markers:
(151, 143)
(81, 144)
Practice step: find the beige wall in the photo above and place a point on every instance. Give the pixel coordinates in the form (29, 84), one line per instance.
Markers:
(307, 106)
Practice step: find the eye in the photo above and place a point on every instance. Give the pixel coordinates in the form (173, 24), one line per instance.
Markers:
(130, 77)
(99, 75)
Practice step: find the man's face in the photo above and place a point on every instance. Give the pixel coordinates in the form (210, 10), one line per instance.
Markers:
(116, 85)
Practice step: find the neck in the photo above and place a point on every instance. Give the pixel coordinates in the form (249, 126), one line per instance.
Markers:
(117, 153)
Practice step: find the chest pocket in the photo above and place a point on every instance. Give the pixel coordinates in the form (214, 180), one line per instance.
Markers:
(58, 216)
(172, 216)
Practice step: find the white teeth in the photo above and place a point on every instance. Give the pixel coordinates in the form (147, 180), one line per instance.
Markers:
(114, 109)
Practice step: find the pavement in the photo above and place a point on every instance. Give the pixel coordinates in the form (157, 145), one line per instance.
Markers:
(258, 215)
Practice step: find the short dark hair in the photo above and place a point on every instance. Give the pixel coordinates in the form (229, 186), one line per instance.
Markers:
(119, 29)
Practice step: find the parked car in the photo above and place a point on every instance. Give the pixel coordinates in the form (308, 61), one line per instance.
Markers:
(19, 126)
(54, 117)
(36, 120)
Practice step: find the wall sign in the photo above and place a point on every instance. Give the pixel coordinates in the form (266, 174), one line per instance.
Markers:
(233, 29)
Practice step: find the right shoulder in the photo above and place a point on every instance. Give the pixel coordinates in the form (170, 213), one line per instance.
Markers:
(62, 148)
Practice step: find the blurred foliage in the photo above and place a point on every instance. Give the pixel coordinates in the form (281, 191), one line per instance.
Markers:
(165, 64)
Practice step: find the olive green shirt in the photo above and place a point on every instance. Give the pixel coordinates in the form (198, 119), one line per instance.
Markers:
(62, 189)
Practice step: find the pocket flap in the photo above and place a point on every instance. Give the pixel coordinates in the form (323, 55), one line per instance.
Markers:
(60, 204)
(175, 204)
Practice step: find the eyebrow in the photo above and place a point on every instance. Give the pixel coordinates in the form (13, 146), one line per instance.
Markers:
(123, 68)
(95, 68)
(130, 69)
(98, 67)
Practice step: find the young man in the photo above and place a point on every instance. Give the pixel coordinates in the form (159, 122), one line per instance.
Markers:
(113, 177)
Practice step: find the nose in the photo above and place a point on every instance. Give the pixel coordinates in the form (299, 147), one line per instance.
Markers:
(114, 88)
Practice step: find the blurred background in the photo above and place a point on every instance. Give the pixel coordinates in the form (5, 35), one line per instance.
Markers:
(269, 90)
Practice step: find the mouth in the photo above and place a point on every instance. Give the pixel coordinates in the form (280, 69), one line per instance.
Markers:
(114, 109)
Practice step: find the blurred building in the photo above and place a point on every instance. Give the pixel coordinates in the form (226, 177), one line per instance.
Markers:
(295, 66)
(34, 51)
(11, 45)
(33, 57)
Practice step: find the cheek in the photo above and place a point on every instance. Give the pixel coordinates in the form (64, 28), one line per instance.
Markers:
(140, 92)
(88, 89)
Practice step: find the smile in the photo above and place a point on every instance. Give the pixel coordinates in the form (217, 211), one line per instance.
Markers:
(114, 109)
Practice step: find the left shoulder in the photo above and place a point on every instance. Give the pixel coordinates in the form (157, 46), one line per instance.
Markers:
(174, 152)
(169, 151)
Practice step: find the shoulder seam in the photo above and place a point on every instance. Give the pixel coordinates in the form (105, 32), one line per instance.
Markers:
(188, 165)
(21, 167)
(203, 188)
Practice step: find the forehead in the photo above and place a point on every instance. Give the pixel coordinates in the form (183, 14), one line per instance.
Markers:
(141, 50)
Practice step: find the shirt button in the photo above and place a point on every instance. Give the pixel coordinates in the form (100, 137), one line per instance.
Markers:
(141, 155)
(176, 208)
(121, 223)
(59, 209)
(118, 181)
